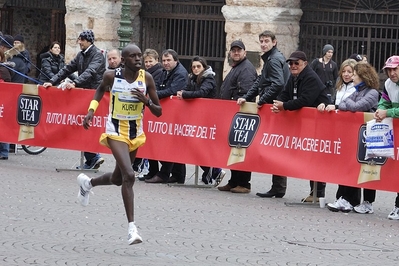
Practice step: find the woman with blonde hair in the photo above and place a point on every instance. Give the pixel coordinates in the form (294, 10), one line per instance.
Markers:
(364, 99)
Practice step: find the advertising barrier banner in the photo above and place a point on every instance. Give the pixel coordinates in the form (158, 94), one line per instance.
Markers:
(328, 147)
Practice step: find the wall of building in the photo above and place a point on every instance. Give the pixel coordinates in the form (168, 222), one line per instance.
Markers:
(246, 19)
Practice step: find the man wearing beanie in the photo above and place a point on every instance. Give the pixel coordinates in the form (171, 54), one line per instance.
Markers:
(90, 65)
(326, 68)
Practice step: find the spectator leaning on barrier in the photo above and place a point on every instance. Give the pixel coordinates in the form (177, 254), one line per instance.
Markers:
(123, 135)
(174, 78)
(364, 99)
(52, 62)
(268, 85)
(147, 168)
(17, 67)
(19, 44)
(202, 84)
(113, 58)
(236, 84)
(90, 64)
(5, 76)
(11, 52)
(389, 107)
(303, 89)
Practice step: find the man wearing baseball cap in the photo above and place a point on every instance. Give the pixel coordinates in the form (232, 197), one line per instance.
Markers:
(389, 107)
(236, 84)
(303, 89)
(90, 64)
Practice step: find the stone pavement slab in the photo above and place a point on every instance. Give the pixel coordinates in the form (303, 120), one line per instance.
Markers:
(42, 224)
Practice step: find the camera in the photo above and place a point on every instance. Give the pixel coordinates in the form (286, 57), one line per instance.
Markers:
(329, 84)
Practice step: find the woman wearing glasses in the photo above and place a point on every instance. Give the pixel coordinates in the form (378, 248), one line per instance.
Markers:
(202, 84)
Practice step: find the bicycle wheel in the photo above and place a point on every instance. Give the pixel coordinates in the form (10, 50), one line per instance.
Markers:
(33, 150)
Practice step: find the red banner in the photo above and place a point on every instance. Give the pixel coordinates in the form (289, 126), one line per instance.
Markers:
(305, 144)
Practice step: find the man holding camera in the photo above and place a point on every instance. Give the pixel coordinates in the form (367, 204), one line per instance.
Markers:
(326, 68)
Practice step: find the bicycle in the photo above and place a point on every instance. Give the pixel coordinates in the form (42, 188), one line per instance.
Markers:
(33, 150)
(30, 149)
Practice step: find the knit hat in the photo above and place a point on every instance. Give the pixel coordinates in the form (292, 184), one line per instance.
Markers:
(327, 48)
(19, 37)
(87, 35)
(7, 41)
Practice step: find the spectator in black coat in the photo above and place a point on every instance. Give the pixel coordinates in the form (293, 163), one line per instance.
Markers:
(303, 89)
(90, 64)
(52, 62)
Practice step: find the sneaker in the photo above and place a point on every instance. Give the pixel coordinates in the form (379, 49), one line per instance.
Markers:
(394, 214)
(96, 162)
(217, 175)
(133, 237)
(84, 192)
(146, 167)
(365, 207)
(239, 189)
(340, 204)
(207, 180)
(85, 167)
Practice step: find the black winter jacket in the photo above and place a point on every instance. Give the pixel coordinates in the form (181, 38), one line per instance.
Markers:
(274, 76)
(90, 67)
(238, 81)
(156, 73)
(205, 89)
(310, 91)
(51, 65)
(173, 81)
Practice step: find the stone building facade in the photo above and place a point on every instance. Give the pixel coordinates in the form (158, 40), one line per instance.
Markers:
(244, 19)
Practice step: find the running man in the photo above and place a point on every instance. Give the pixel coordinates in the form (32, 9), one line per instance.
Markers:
(124, 129)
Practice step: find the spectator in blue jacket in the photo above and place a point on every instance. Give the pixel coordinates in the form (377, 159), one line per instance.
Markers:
(174, 77)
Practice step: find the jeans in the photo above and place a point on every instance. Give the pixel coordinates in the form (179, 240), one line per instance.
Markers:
(4, 149)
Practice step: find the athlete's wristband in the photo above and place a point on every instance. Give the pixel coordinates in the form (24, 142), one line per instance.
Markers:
(93, 105)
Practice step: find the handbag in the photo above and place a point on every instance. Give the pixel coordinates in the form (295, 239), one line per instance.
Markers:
(380, 139)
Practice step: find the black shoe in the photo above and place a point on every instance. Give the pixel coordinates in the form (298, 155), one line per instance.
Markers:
(270, 194)
(173, 179)
(3, 158)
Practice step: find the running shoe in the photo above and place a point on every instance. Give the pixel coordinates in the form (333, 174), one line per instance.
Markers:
(84, 191)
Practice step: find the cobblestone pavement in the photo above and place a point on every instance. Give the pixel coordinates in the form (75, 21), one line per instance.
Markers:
(42, 224)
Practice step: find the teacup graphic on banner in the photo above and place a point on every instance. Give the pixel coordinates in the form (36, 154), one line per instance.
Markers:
(369, 168)
(28, 111)
(243, 128)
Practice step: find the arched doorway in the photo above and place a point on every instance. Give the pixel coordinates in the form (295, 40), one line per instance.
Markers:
(189, 27)
(40, 22)
(363, 27)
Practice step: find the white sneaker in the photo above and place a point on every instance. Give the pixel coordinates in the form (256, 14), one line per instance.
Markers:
(340, 204)
(83, 194)
(394, 214)
(133, 237)
(365, 207)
